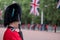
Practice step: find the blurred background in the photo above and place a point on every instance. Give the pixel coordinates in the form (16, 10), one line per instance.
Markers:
(51, 14)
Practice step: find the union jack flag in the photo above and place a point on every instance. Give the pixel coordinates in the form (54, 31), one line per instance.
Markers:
(34, 7)
(58, 5)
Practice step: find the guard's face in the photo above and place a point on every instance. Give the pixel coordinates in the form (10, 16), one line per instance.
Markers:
(16, 24)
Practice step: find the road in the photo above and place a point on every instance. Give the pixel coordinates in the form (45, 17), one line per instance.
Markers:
(35, 35)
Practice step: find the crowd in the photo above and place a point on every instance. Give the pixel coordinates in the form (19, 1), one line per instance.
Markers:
(44, 27)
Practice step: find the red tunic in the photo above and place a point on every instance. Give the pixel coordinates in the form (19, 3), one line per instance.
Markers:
(11, 35)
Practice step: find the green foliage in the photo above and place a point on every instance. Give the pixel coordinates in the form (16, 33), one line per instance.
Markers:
(51, 13)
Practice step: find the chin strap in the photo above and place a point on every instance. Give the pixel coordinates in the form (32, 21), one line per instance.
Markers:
(20, 32)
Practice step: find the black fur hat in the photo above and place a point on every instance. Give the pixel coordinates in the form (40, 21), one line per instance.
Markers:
(11, 14)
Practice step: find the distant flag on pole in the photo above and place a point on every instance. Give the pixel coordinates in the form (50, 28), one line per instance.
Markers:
(34, 7)
(58, 3)
(1, 14)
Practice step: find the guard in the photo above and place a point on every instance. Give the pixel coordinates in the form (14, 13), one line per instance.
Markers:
(12, 17)
(55, 28)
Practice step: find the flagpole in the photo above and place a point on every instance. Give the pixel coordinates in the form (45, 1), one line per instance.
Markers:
(42, 27)
(34, 10)
(32, 19)
(42, 17)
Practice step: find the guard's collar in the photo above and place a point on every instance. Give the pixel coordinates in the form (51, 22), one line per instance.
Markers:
(12, 28)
